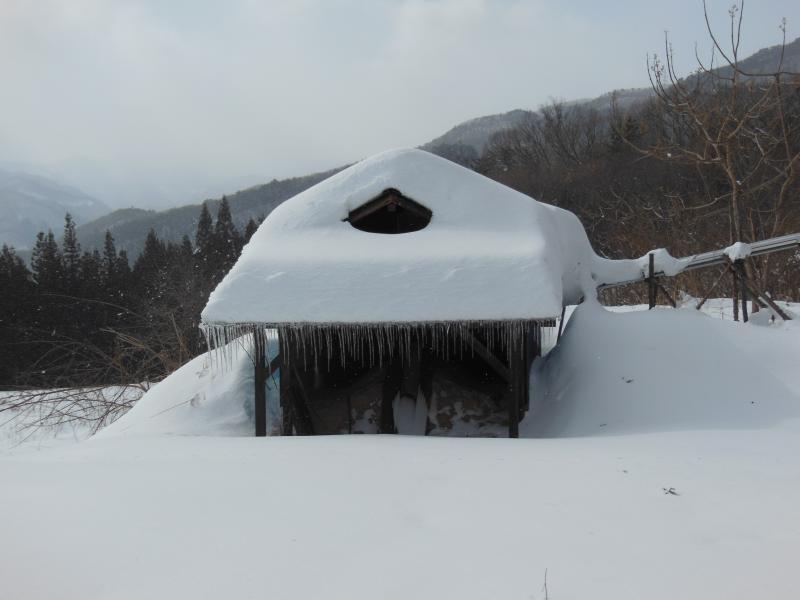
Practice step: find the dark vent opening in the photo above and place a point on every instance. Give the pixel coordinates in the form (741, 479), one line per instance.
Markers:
(391, 212)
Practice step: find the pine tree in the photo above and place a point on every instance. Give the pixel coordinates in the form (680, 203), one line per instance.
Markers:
(204, 239)
(227, 241)
(250, 229)
(15, 314)
(109, 256)
(46, 262)
(186, 246)
(71, 252)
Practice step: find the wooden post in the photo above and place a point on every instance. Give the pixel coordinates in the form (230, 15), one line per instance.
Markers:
(427, 372)
(301, 405)
(561, 322)
(392, 380)
(287, 406)
(758, 294)
(518, 383)
(260, 377)
(735, 295)
(742, 278)
(652, 284)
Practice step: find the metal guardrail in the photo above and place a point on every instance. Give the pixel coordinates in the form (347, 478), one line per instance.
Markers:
(719, 257)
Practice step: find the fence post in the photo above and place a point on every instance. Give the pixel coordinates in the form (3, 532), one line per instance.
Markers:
(652, 284)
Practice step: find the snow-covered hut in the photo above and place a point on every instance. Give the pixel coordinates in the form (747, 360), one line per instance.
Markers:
(402, 270)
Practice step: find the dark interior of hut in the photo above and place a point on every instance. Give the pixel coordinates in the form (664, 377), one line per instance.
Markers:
(425, 381)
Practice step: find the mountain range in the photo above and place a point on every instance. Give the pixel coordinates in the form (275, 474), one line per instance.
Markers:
(29, 203)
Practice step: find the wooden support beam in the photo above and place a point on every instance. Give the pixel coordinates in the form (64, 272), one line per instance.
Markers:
(260, 378)
(301, 405)
(392, 380)
(561, 322)
(530, 350)
(481, 350)
(287, 405)
(427, 372)
(735, 294)
(669, 297)
(711, 290)
(518, 384)
(763, 298)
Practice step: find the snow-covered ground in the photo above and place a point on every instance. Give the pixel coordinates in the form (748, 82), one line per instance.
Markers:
(43, 419)
(663, 461)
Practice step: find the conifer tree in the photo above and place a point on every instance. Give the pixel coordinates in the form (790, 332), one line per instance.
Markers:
(46, 262)
(71, 252)
(15, 313)
(109, 256)
(250, 229)
(204, 238)
(227, 241)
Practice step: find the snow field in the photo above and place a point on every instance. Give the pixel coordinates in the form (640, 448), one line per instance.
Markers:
(666, 467)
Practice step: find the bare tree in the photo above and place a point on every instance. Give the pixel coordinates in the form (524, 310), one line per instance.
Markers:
(739, 128)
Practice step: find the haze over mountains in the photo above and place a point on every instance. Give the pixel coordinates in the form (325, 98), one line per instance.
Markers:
(29, 203)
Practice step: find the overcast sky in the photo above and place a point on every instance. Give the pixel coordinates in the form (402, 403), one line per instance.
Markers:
(168, 101)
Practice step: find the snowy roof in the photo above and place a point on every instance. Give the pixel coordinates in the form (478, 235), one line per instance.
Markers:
(488, 253)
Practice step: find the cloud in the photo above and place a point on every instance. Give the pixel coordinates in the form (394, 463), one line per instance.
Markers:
(149, 101)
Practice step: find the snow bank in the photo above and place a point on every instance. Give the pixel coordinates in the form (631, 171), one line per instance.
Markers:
(663, 370)
(203, 397)
(489, 253)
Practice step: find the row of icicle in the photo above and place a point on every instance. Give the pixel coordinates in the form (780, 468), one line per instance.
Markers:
(367, 344)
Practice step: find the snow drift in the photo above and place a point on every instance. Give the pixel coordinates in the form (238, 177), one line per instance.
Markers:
(662, 370)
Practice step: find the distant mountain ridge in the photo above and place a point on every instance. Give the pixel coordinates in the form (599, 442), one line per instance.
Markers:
(462, 143)
(31, 203)
(130, 226)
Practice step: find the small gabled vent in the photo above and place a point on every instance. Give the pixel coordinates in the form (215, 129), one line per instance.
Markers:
(391, 212)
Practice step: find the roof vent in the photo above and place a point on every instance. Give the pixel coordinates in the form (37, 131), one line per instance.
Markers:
(391, 212)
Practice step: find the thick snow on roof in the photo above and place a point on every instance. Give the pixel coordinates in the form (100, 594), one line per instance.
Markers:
(488, 253)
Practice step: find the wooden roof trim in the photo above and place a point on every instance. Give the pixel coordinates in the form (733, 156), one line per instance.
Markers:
(389, 197)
